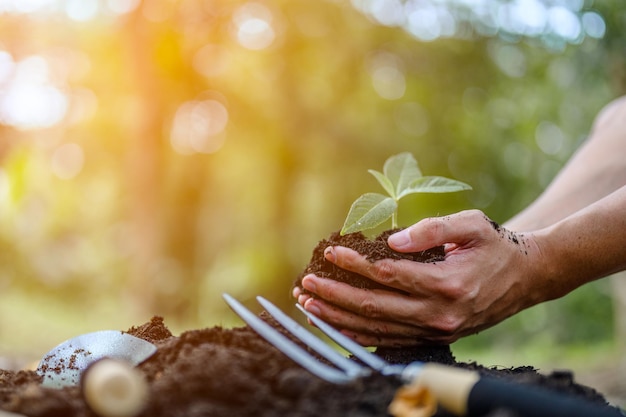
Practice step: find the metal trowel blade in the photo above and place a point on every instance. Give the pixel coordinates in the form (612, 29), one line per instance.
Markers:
(63, 365)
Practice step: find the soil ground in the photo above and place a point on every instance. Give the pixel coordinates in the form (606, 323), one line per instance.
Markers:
(233, 372)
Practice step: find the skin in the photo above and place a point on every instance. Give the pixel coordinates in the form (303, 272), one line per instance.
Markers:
(572, 234)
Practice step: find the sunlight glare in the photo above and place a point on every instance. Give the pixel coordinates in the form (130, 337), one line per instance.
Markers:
(6, 66)
(388, 12)
(29, 101)
(122, 6)
(81, 10)
(564, 23)
(253, 26)
(553, 21)
(529, 17)
(25, 6)
(423, 23)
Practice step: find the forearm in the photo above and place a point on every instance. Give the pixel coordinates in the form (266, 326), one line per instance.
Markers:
(597, 169)
(583, 247)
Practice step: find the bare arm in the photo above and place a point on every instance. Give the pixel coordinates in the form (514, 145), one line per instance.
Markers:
(489, 275)
(585, 246)
(575, 232)
(597, 169)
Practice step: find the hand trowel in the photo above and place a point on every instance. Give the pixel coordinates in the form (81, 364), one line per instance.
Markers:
(63, 365)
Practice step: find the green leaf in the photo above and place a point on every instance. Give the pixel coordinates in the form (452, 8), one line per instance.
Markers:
(368, 211)
(401, 170)
(384, 181)
(434, 184)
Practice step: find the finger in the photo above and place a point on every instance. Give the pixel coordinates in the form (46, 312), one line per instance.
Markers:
(302, 299)
(436, 231)
(436, 316)
(415, 278)
(346, 320)
(371, 304)
(345, 258)
(365, 339)
(296, 291)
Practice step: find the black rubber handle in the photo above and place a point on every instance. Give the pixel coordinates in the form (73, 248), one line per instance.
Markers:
(490, 393)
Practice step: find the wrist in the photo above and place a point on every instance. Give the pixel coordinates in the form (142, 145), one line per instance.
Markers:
(544, 272)
(562, 264)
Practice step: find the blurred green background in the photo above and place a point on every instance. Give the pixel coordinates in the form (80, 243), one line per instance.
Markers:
(156, 153)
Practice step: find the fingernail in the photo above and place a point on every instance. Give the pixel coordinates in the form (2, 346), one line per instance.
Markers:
(329, 254)
(308, 283)
(400, 239)
(312, 308)
(295, 292)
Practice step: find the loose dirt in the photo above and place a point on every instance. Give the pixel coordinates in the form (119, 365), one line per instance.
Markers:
(233, 372)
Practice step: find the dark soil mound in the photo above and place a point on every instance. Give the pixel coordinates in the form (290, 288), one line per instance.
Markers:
(233, 372)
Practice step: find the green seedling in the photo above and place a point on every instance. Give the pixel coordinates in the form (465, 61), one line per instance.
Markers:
(401, 176)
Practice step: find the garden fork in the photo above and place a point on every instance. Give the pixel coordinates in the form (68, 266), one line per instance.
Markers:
(459, 391)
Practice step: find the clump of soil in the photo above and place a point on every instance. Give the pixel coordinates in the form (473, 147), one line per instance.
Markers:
(373, 249)
(233, 372)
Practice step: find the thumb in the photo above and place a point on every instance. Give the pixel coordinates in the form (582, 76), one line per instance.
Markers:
(457, 228)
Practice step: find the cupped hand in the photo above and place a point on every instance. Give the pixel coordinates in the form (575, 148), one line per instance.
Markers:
(489, 273)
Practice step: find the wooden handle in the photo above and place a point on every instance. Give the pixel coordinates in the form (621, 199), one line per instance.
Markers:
(466, 393)
(451, 386)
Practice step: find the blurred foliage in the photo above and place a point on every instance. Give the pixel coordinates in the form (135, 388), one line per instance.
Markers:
(155, 154)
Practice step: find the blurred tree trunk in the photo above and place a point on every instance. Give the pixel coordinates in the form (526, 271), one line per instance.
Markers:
(164, 276)
(143, 165)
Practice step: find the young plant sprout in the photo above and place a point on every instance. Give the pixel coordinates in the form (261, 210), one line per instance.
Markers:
(401, 176)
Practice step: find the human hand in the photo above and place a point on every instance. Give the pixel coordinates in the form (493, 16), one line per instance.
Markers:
(489, 273)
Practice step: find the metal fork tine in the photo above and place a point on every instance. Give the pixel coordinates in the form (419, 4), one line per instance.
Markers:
(460, 391)
(312, 341)
(348, 344)
(293, 351)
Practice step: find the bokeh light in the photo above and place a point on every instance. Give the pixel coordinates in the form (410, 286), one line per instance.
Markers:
(29, 100)
(155, 153)
(81, 10)
(550, 138)
(198, 127)
(253, 26)
(387, 75)
(555, 23)
(123, 6)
